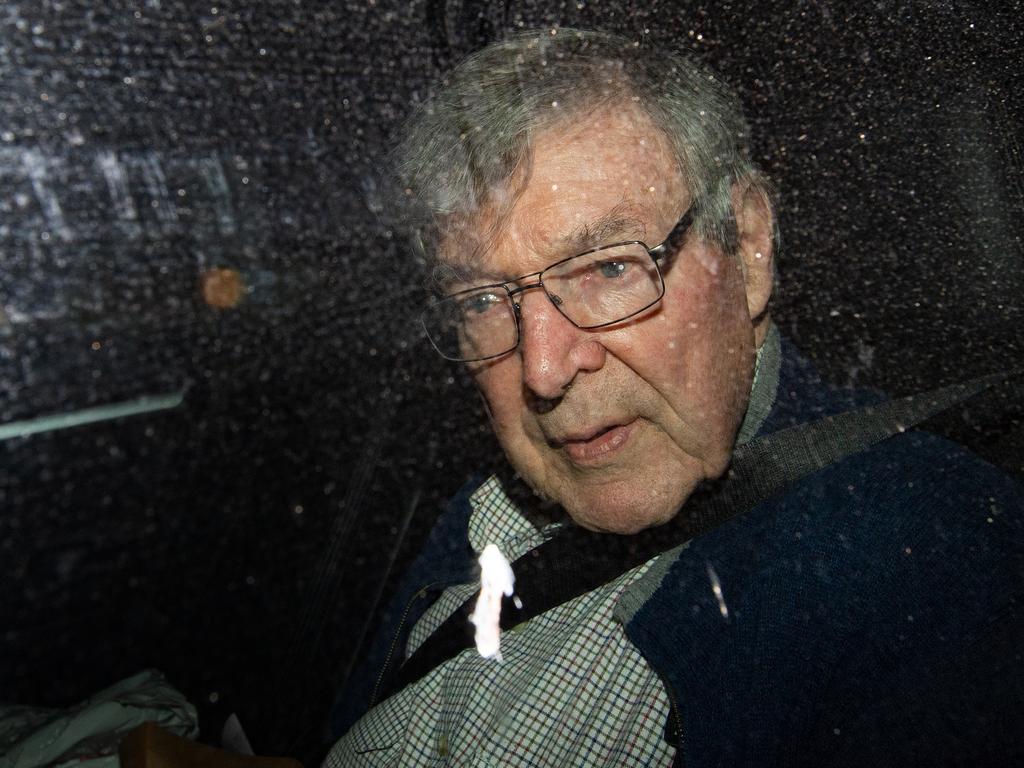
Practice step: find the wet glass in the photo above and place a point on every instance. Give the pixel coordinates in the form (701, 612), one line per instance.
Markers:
(198, 266)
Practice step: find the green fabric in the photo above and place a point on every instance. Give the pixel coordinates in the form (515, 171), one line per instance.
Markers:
(766, 383)
(91, 731)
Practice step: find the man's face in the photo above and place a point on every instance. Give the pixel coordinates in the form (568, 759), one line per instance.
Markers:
(620, 424)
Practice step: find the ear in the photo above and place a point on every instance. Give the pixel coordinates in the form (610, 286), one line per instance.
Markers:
(755, 226)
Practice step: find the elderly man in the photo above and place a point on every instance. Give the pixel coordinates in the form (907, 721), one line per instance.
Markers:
(603, 252)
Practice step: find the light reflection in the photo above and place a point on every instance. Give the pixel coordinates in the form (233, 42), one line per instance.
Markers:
(716, 589)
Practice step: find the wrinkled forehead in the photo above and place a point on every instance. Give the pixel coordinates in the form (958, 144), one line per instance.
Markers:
(602, 175)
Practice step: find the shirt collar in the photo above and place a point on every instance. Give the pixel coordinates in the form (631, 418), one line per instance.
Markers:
(765, 386)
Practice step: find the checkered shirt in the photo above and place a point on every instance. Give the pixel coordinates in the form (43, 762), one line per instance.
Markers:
(571, 689)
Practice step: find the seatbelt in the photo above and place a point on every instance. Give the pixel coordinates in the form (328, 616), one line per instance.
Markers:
(576, 561)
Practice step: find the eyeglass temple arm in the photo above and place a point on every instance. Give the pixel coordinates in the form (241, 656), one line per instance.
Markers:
(675, 237)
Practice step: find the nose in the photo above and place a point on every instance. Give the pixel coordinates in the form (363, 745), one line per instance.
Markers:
(552, 349)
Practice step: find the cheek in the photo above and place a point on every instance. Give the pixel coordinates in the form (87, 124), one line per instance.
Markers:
(708, 304)
(701, 341)
(501, 385)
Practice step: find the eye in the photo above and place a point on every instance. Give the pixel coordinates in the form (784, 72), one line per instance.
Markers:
(611, 269)
(481, 303)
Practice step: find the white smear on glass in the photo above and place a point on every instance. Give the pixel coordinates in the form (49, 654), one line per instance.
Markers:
(496, 579)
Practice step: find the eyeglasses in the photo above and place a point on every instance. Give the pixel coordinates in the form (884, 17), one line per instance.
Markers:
(599, 287)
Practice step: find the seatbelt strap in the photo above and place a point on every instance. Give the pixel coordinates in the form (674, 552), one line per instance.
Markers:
(576, 561)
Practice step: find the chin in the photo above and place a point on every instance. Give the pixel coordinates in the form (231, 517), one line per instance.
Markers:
(628, 511)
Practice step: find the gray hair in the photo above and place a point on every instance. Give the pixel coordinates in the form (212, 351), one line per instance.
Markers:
(466, 147)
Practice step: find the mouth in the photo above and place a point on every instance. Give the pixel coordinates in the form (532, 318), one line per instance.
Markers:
(597, 446)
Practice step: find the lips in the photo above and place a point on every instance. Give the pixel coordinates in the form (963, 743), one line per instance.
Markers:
(596, 445)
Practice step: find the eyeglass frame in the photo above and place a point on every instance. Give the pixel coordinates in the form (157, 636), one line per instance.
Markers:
(658, 252)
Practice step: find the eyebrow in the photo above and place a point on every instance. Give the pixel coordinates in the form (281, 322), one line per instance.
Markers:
(449, 277)
(618, 222)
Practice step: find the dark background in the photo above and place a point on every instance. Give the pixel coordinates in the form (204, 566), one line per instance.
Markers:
(239, 542)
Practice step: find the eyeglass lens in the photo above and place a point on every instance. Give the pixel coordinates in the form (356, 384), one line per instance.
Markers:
(593, 289)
